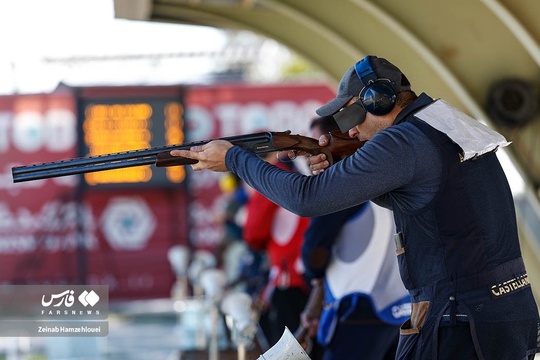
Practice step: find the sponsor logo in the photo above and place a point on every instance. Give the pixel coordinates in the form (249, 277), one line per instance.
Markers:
(128, 223)
(402, 310)
(510, 286)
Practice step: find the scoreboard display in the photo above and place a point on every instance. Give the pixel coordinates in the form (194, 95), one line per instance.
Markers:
(123, 120)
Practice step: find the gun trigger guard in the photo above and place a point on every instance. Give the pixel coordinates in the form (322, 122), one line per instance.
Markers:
(289, 158)
(295, 154)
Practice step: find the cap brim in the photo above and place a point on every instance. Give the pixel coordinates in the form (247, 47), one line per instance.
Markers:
(333, 106)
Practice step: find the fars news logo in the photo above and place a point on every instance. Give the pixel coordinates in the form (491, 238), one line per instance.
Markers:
(71, 302)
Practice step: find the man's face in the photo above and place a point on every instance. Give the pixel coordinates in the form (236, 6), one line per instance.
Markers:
(369, 124)
(372, 124)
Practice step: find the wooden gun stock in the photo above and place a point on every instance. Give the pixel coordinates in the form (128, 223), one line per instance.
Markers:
(341, 145)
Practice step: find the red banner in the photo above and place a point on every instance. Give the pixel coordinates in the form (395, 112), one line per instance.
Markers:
(55, 231)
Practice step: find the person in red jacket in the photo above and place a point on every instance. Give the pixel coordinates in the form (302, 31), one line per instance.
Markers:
(280, 233)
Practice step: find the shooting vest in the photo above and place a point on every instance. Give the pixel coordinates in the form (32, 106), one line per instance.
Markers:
(465, 265)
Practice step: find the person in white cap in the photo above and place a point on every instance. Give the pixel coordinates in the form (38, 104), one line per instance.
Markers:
(457, 240)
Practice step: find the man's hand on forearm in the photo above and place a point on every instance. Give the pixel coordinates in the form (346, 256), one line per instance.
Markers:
(210, 156)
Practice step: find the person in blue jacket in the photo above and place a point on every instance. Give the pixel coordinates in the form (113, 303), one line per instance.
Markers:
(456, 237)
(348, 255)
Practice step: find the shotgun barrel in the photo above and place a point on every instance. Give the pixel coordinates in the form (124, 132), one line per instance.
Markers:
(257, 142)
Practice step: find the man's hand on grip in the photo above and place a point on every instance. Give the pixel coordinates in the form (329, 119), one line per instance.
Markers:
(319, 163)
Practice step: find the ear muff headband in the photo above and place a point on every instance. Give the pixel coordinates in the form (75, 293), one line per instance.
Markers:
(378, 95)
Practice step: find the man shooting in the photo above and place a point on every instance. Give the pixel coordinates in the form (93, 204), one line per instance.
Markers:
(456, 236)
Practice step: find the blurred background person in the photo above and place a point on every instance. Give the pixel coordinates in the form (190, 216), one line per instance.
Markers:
(232, 217)
(349, 256)
(247, 268)
(280, 234)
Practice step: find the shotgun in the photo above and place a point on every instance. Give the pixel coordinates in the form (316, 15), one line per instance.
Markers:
(339, 147)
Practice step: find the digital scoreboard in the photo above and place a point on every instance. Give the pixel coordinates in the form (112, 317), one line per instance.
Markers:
(128, 120)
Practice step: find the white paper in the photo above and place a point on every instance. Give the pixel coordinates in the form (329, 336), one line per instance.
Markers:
(471, 135)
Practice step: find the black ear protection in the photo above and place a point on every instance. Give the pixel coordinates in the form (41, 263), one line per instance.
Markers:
(378, 96)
